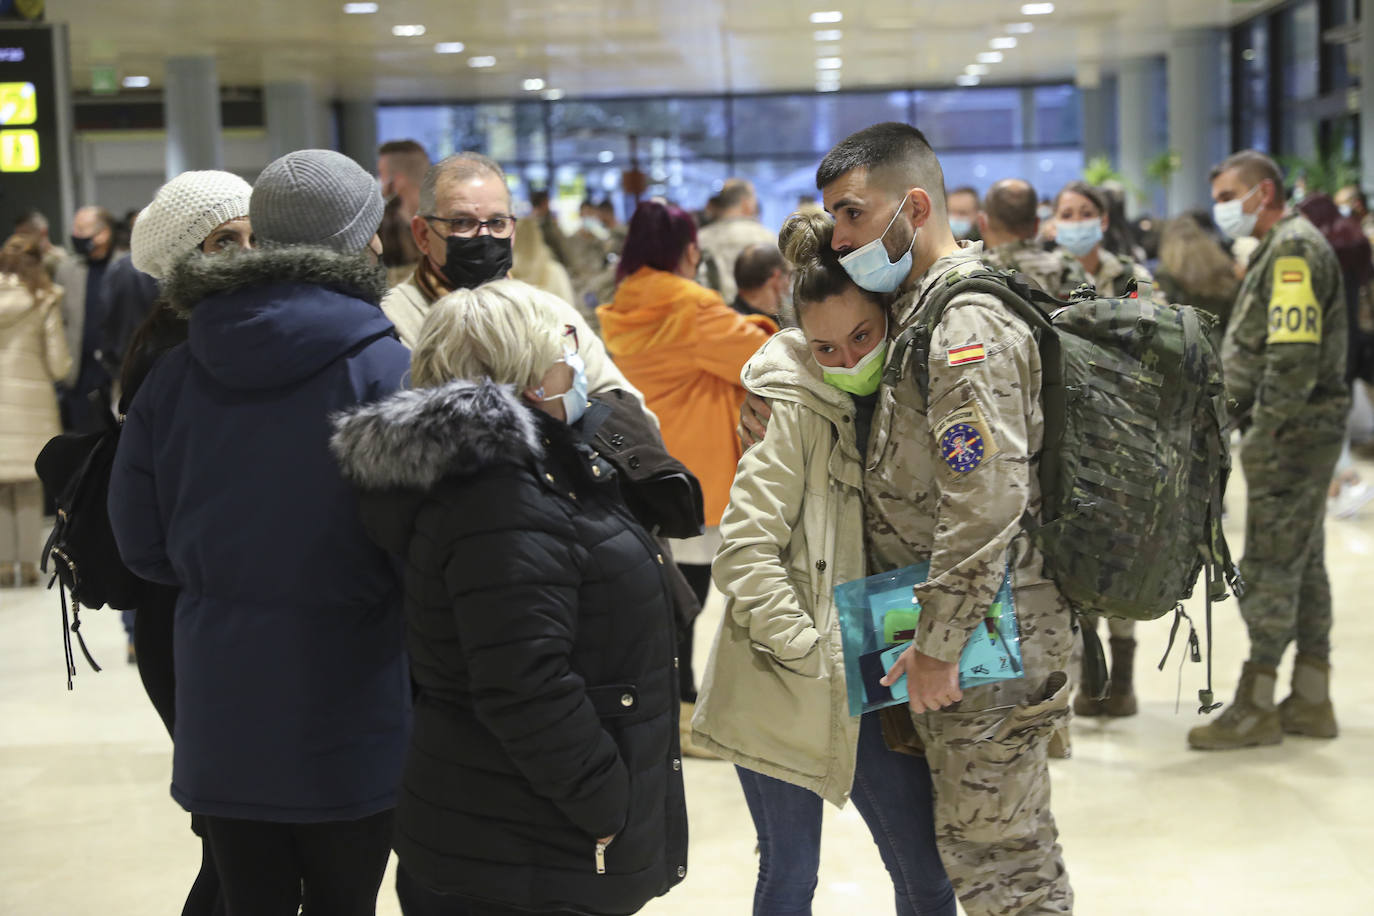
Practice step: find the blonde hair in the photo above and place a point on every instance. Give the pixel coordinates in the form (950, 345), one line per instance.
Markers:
(506, 331)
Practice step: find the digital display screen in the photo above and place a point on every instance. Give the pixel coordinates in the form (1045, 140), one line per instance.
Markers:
(30, 168)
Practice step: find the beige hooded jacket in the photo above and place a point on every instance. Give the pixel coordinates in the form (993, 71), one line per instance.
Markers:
(773, 696)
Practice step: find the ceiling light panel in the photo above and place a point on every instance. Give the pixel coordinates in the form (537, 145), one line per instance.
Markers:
(359, 9)
(827, 17)
(407, 31)
(1037, 9)
(1020, 28)
(829, 63)
(990, 57)
(827, 34)
(533, 85)
(449, 47)
(1004, 44)
(481, 63)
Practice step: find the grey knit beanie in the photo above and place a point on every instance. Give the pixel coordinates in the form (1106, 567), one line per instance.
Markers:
(316, 197)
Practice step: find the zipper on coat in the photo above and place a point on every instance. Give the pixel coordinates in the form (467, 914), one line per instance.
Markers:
(601, 857)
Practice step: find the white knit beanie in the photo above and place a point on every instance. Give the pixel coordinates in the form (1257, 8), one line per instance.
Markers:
(182, 215)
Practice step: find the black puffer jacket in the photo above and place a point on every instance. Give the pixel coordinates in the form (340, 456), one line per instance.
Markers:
(541, 642)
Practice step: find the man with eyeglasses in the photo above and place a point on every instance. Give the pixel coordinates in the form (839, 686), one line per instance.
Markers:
(464, 229)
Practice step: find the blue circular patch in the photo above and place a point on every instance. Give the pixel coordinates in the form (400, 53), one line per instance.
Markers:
(962, 447)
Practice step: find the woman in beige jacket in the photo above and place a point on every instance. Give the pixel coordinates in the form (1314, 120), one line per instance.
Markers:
(773, 700)
(33, 355)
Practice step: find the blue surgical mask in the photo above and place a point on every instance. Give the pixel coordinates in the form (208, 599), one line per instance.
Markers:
(961, 228)
(575, 398)
(1079, 236)
(870, 267)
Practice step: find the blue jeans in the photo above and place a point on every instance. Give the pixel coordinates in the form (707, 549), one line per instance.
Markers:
(893, 794)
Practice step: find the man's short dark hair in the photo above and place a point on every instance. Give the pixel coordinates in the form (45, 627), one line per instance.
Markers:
(1010, 205)
(539, 198)
(392, 147)
(895, 155)
(756, 264)
(1253, 167)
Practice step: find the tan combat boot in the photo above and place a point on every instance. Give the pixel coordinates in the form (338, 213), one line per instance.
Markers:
(1252, 720)
(1121, 701)
(1308, 710)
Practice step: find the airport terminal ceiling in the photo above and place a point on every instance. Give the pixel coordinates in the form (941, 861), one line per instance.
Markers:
(392, 50)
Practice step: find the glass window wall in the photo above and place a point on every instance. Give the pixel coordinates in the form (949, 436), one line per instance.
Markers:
(687, 147)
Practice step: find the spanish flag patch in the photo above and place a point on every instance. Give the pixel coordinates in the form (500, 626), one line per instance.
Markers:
(962, 356)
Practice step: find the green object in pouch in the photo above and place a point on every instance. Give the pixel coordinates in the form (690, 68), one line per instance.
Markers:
(895, 622)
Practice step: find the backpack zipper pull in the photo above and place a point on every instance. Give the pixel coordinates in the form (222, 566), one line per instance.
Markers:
(601, 858)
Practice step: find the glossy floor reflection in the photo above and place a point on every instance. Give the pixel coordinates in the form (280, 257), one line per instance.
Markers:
(1148, 827)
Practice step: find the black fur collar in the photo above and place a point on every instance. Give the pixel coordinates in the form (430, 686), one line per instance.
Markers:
(197, 276)
(414, 439)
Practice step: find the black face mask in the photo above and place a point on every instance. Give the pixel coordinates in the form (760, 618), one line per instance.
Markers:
(472, 262)
(82, 246)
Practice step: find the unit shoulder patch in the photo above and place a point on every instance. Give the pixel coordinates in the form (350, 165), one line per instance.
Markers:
(964, 438)
(1294, 313)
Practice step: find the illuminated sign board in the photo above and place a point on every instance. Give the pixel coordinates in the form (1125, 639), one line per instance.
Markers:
(31, 161)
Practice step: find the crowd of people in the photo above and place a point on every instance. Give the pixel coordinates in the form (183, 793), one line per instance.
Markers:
(426, 498)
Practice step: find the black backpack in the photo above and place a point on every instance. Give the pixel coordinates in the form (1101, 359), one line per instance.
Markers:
(75, 468)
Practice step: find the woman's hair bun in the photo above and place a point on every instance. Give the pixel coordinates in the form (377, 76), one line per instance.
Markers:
(805, 239)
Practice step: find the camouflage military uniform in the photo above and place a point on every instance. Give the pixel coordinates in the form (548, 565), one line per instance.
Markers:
(1284, 356)
(949, 482)
(1114, 271)
(1056, 272)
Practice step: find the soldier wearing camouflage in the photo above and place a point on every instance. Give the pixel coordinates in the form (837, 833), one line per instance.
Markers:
(950, 479)
(1010, 228)
(1284, 356)
(1115, 271)
(1056, 272)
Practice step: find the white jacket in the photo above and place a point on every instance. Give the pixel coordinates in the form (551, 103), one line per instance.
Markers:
(773, 696)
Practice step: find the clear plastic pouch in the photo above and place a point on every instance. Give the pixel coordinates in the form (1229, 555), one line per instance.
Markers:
(878, 620)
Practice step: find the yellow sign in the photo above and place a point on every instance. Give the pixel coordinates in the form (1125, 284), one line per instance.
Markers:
(19, 151)
(18, 104)
(1294, 315)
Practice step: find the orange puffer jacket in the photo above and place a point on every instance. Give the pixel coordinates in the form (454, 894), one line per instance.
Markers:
(684, 348)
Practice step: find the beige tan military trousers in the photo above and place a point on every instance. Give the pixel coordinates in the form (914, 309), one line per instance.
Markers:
(988, 761)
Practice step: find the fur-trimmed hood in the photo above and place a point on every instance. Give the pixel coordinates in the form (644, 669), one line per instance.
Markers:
(197, 276)
(414, 439)
(270, 318)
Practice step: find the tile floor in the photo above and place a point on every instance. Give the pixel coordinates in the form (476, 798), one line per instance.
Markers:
(1148, 827)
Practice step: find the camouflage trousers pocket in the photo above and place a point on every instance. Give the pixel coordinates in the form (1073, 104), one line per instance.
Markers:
(990, 769)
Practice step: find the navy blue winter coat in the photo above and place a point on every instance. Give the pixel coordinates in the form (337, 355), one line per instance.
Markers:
(292, 696)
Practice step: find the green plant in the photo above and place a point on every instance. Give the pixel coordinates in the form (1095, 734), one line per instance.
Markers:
(1162, 168)
(1328, 171)
(1098, 171)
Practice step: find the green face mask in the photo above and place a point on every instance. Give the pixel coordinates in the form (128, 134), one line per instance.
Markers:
(864, 378)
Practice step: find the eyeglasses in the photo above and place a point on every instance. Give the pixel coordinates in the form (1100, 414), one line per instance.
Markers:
(570, 340)
(466, 227)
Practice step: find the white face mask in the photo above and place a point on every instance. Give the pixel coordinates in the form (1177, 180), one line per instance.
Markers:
(1345, 210)
(575, 398)
(1231, 218)
(870, 267)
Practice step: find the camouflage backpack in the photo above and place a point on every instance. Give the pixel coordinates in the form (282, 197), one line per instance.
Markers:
(1135, 455)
